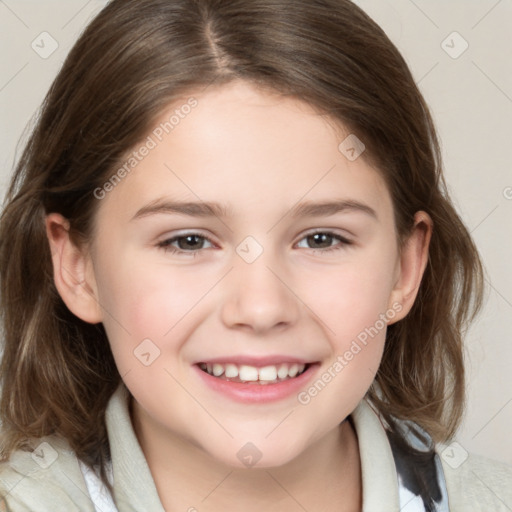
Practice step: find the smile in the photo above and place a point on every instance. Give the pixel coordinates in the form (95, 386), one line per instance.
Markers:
(269, 374)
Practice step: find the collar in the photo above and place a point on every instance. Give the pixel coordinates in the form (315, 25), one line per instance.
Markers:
(379, 478)
(135, 490)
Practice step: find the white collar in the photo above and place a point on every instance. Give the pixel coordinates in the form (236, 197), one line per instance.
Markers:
(134, 488)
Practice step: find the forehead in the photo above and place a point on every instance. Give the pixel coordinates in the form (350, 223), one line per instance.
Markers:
(245, 147)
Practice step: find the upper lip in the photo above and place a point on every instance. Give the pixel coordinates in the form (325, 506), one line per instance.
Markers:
(258, 361)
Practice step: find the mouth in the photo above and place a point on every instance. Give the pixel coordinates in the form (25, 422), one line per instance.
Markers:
(256, 375)
(251, 379)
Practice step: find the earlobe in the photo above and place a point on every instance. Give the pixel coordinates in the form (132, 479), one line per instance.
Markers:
(413, 261)
(72, 271)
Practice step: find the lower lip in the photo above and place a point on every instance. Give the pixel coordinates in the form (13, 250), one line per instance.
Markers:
(253, 392)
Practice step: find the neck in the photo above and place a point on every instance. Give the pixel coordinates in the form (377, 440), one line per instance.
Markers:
(326, 476)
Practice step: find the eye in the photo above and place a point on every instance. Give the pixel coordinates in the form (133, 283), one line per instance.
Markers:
(188, 243)
(325, 238)
(192, 243)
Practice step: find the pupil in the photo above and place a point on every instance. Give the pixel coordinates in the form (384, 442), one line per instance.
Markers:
(187, 240)
(320, 236)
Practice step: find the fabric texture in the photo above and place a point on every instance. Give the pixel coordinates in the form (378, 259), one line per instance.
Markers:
(100, 495)
(398, 473)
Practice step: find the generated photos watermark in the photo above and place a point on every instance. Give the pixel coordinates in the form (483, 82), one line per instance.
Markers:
(151, 142)
(356, 346)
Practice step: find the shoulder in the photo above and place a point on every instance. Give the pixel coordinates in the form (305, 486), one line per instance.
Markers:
(45, 479)
(475, 482)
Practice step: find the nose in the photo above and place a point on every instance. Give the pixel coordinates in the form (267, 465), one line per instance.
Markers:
(259, 297)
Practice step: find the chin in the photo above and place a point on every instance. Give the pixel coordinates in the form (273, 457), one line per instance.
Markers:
(258, 454)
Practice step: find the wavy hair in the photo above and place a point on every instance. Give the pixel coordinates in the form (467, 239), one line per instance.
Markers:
(133, 60)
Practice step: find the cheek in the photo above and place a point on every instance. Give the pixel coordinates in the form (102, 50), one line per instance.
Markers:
(354, 317)
(144, 301)
(352, 302)
(351, 297)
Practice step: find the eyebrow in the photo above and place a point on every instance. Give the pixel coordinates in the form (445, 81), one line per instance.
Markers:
(213, 209)
(326, 208)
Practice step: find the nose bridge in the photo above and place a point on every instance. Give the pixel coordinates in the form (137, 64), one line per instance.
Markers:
(258, 295)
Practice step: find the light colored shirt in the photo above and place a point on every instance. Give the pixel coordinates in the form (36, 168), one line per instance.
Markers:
(52, 479)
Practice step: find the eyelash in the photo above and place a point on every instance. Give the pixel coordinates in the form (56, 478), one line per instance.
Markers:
(166, 244)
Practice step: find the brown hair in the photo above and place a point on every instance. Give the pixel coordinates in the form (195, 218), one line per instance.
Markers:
(133, 60)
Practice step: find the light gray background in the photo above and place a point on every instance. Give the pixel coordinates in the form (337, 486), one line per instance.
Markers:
(471, 100)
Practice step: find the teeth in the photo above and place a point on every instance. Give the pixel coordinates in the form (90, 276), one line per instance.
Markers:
(282, 373)
(231, 371)
(246, 373)
(294, 369)
(218, 370)
(267, 373)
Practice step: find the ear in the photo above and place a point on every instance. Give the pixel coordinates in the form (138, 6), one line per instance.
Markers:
(72, 270)
(412, 263)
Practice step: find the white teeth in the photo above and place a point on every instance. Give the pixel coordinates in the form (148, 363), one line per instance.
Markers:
(294, 368)
(218, 370)
(246, 373)
(231, 371)
(267, 373)
(282, 373)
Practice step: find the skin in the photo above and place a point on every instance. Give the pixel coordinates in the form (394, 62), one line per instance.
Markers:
(260, 154)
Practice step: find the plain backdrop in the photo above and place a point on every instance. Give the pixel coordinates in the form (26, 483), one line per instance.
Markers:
(460, 53)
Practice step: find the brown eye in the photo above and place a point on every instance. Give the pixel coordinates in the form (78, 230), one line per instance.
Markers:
(188, 243)
(323, 240)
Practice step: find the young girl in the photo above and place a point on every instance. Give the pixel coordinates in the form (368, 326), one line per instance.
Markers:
(232, 277)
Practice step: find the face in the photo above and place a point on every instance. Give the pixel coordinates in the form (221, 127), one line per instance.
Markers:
(261, 285)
